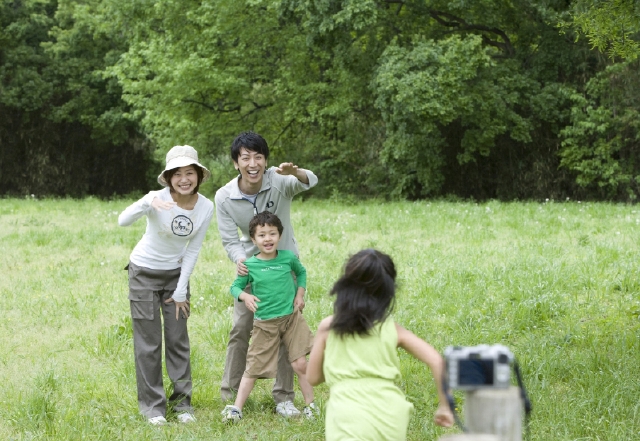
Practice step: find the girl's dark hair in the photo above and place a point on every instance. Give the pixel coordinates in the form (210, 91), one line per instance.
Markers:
(168, 174)
(365, 294)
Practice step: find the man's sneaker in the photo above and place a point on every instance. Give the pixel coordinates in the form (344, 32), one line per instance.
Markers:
(186, 417)
(157, 420)
(311, 411)
(287, 409)
(231, 414)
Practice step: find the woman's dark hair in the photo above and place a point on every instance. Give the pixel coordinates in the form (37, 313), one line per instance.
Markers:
(168, 174)
(262, 219)
(365, 294)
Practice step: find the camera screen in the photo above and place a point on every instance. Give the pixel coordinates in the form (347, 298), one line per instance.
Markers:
(475, 372)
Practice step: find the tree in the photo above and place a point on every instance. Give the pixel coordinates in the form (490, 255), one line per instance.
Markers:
(462, 88)
(602, 143)
(390, 98)
(201, 72)
(611, 26)
(63, 127)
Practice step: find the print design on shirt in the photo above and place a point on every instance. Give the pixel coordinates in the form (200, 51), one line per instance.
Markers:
(269, 268)
(270, 204)
(181, 225)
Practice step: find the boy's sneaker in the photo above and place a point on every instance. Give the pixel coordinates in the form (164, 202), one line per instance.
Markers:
(186, 417)
(311, 411)
(231, 414)
(287, 409)
(157, 421)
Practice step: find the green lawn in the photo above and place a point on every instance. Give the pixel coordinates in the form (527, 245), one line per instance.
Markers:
(556, 282)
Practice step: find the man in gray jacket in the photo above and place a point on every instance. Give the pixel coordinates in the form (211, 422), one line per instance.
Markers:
(255, 190)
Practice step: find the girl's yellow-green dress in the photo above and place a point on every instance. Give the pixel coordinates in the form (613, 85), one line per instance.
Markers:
(362, 373)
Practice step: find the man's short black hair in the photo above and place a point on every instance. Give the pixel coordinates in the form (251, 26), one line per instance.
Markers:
(250, 141)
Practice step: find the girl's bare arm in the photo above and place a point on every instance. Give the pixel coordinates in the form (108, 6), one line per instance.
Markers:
(427, 354)
(315, 374)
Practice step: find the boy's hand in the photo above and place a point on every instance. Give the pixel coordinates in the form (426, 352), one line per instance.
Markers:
(298, 301)
(250, 301)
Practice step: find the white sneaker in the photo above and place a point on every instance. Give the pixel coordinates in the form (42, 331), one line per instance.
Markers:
(311, 411)
(157, 420)
(287, 409)
(231, 414)
(186, 417)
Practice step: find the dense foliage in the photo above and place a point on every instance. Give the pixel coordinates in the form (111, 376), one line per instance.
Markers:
(385, 98)
(63, 129)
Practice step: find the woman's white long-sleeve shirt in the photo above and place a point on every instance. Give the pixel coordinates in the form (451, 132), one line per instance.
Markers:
(173, 238)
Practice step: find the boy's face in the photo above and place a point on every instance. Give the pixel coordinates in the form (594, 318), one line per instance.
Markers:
(266, 238)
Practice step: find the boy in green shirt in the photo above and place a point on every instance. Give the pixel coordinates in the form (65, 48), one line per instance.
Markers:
(275, 303)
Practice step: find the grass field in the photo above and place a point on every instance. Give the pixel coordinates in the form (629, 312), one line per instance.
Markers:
(557, 282)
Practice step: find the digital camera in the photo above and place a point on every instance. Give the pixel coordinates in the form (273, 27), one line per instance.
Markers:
(478, 367)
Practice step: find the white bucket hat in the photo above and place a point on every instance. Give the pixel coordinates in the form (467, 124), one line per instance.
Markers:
(181, 156)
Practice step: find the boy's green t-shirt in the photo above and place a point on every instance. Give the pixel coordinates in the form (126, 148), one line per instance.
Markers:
(272, 283)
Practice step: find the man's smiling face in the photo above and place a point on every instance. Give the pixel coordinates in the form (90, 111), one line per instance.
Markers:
(251, 166)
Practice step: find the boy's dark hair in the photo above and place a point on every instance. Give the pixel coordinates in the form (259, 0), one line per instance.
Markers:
(262, 219)
(168, 174)
(365, 294)
(250, 141)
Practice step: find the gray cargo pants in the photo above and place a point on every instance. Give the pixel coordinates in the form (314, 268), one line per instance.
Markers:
(148, 289)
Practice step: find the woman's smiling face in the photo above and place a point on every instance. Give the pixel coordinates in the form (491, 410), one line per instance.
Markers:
(184, 180)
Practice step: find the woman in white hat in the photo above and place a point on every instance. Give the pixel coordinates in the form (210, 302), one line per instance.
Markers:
(159, 269)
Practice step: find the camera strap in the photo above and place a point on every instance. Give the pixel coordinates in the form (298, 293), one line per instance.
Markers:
(525, 399)
(523, 392)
